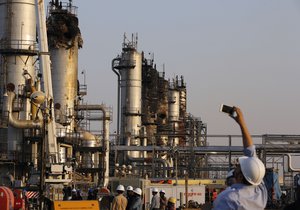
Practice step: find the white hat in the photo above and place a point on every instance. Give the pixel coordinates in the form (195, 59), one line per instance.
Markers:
(138, 191)
(120, 188)
(130, 188)
(162, 191)
(155, 190)
(253, 169)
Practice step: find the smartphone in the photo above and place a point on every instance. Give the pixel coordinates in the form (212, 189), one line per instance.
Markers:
(227, 109)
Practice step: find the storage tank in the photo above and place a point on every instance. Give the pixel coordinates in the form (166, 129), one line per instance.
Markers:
(17, 24)
(18, 50)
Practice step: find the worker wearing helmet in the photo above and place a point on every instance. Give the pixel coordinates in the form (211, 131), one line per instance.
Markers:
(136, 203)
(129, 192)
(296, 203)
(74, 194)
(155, 201)
(119, 201)
(171, 204)
(249, 192)
(163, 200)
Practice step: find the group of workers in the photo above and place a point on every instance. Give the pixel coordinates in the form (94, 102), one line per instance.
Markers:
(132, 201)
(160, 202)
(71, 194)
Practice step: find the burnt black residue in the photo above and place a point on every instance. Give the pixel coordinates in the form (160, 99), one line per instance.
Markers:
(63, 30)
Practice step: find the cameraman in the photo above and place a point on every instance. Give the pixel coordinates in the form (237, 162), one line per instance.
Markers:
(249, 192)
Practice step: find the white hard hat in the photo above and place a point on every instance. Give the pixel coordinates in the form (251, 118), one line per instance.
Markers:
(74, 190)
(138, 191)
(253, 169)
(162, 191)
(120, 188)
(130, 188)
(155, 190)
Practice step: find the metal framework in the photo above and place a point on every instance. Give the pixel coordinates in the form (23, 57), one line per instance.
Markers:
(213, 162)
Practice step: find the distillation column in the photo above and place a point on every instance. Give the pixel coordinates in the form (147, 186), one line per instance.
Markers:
(64, 40)
(18, 50)
(130, 69)
(174, 105)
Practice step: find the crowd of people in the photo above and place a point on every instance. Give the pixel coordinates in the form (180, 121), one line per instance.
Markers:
(245, 185)
(131, 200)
(72, 194)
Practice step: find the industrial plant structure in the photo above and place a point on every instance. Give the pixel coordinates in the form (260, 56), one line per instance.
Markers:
(152, 112)
(45, 139)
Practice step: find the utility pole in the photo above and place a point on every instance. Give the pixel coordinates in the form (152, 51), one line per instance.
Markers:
(186, 189)
(42, 161)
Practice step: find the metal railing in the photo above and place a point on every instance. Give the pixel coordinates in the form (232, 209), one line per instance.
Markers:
(63, 7)
(82, 90)
(18, 44)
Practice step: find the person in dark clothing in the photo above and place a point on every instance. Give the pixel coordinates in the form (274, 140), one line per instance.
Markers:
(67, 193)
(92, 194)
(171, 204)
(136, 203)
(295, 205)
(74, 195)
(79, 197)
(129, 196)
(105, 202)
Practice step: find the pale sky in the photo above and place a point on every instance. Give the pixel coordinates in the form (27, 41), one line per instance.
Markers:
(243, 53)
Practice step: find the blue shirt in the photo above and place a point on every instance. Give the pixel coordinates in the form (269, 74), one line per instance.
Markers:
(243, 197)
(136, 203)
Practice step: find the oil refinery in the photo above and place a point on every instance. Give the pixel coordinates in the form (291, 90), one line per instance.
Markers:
(46, 142)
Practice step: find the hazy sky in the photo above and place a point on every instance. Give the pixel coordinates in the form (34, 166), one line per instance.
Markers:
(243, 53)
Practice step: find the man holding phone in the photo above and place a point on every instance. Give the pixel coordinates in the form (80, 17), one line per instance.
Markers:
(249, 192)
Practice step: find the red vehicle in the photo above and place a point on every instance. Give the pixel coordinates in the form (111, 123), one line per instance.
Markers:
(7, 198)
(11, 199)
